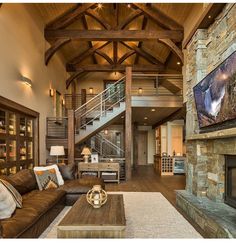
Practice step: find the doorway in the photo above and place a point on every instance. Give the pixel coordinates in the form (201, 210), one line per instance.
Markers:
(142, 148)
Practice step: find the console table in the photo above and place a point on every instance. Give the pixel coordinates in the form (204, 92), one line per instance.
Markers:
(99, 168)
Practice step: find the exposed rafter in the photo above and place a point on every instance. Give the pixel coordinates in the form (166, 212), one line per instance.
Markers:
(94, 14)
(112, 68)
(74, 76)
(125, 56)
(166, 83)
(174, 48)
(87, 53)
(54, 48)
(69, 17)
(113, 35)
(105, 56)
(150, 58)
(159, 17)
(129, 19)
(115, 51)
(85, 24)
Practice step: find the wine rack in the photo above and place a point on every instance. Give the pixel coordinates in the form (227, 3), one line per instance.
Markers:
(167, 165)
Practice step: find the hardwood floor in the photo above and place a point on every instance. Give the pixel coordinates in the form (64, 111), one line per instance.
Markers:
(144, 179)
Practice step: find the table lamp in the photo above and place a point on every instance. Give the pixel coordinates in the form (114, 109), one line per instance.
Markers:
(57, 151)
(86, 152)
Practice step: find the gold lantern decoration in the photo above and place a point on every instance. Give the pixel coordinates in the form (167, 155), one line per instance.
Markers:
(96, 196)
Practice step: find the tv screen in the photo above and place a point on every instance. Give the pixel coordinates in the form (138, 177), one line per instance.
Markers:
(215, 95)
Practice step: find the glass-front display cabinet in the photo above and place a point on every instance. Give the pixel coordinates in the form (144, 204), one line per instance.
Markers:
(17, 141)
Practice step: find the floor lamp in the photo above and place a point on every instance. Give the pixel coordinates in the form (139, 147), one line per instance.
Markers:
(57, 151)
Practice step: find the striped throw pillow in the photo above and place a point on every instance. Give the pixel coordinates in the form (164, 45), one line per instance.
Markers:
(15, 194)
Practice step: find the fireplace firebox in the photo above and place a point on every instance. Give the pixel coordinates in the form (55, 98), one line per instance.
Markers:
(230, 180)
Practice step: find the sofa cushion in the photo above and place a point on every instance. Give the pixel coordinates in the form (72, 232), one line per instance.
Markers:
(67, 171)
(81, 186)
(15, 194)
(46, 179)
(35, 204)
(23, 181)
(7, 203)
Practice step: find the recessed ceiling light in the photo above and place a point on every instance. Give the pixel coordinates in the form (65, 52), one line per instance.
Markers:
(178, 63)
(209, 17)
(153, 109)
(129, 5)
(145, 118)
(122, 117)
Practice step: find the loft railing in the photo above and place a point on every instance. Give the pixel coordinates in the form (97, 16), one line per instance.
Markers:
(74, 101)
(57, 127)
(105, 147)
(100, 104)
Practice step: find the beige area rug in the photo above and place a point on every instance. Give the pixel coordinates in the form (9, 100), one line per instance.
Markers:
(148, 215)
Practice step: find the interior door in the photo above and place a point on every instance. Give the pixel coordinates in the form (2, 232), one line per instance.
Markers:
(142, 148)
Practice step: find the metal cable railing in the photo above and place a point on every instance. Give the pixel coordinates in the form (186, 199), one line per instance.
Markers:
(100, 104)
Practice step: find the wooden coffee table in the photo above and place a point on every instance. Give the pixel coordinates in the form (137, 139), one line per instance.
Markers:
(84, 221)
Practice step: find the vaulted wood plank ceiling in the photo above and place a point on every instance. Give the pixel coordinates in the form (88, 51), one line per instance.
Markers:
(93, 37)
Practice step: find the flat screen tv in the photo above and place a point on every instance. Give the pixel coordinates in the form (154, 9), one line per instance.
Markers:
(215, 95)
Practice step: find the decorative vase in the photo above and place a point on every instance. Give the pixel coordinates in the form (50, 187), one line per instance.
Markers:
(96, 196)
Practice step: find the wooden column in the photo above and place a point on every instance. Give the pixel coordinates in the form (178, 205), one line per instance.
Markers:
(128, 122)
(71, 136)
(83, 96)
(73, 95)
(135, 146)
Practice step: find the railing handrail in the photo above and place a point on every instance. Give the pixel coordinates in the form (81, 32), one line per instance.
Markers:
(98, 95)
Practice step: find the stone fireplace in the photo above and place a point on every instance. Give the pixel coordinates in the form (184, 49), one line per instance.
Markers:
(211, 153)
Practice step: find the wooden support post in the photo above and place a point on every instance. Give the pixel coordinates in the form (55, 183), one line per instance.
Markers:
(74, 96)
(128, 122)
(83, 96)
(71, 136)
(135, 147)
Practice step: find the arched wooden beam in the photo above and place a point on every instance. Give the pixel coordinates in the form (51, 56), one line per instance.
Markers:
(105, 56)
(74, 76)
(92, 13)
(175, 49)
(54, 48)
(129, 19)
(125, 56)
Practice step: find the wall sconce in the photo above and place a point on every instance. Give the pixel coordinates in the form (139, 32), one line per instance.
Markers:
(26, 81)
(91, 90)
(51, 92)
(63, 102)
(140, 91)
(106, 132)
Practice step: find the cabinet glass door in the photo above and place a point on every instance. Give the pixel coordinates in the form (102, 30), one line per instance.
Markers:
(30, 128)
(22, 150)
(12, 123)
(3, 150)
(22, 126)
(30, 150)
(2, 121)
(12, 150)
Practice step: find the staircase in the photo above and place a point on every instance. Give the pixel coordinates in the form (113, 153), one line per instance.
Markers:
(105, 147)
(100, 111)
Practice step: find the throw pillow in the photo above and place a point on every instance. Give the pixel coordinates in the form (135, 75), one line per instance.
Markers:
(7, 203)
(15, 194)
(46, 179)
(55, 167)
(67, 171)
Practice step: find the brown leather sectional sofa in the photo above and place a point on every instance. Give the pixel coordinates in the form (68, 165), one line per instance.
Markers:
(41, 207)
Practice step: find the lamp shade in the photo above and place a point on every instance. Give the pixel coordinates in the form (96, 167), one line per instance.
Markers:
(57, 150)
(86, 151)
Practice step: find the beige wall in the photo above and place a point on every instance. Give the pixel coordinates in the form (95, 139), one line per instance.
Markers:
(22, 48)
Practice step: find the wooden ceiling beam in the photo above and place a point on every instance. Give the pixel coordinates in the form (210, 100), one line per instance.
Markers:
(174, 48)
(105, 56)
(143, 53)
(69, 16)
(54, 48)
(180, 113)
(75, 76)
(159, 17)
(129, 19)
(111, 68)
(125, 56)
(87, 53)
(94, 14)
(113, 35)
(169, 85)
(140, 44)
(115, 51)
